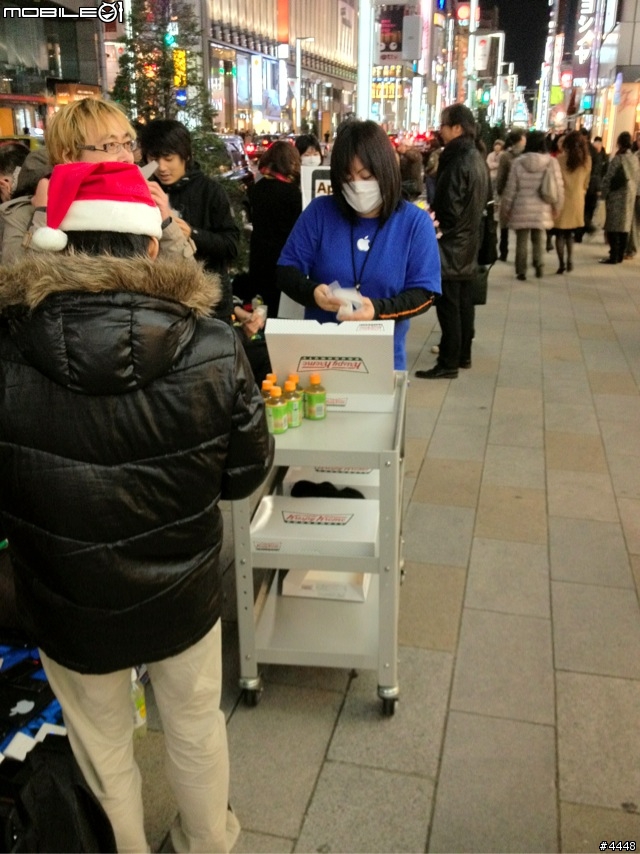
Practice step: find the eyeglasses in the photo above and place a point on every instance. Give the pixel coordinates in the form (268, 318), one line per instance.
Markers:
(112, 147)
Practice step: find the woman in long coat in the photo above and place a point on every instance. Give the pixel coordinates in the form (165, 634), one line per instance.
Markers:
(575, 165)
(523, 209)
(619, 189)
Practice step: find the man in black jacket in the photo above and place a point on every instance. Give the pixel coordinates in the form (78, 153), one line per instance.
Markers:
(462, 190)
(127, 411)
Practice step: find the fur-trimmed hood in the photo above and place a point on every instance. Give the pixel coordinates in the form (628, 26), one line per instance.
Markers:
(104, 325)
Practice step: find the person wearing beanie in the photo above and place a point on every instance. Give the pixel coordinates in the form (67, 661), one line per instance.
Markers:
(127, 412)
(199, 204)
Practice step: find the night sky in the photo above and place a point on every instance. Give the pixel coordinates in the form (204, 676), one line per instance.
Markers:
(525, 25)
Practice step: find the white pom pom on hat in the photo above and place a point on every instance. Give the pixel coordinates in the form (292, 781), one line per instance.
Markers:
(49, 239)
(109, 196)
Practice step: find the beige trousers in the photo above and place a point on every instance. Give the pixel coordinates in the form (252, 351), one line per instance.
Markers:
(98, 714)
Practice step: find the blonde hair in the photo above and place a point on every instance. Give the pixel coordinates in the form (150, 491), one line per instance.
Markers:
(68, 129)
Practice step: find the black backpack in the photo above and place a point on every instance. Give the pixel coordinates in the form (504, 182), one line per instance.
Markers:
(46, 804)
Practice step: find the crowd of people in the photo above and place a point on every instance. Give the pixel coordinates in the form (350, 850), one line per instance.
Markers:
(119, 315)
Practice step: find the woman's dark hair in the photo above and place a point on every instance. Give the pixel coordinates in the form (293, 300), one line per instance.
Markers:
(367, 141)
(164, 137)
(576, 148)
(624, 141)
(513, 138)
(536, 142)
(308, 140)
(115, 243)
(281, 157)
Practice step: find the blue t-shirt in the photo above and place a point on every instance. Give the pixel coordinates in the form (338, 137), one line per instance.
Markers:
(403, 253)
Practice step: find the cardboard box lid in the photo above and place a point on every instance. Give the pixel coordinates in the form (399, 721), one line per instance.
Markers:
(355, 359)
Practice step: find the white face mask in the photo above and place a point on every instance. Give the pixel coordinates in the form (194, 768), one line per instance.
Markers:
(362, 196)
(311, 160)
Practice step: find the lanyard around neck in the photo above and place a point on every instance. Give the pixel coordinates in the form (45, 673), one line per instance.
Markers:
(357, 280)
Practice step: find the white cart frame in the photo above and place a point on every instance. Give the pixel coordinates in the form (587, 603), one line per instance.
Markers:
(276, 629)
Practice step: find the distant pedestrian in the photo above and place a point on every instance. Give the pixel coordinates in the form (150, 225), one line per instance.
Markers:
(493, 160)
(619, 190)
(514, 146)
(462, 190)
(575, 166)
(522, 206)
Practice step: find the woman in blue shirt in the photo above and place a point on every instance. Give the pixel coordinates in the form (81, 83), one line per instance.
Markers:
(363, 236)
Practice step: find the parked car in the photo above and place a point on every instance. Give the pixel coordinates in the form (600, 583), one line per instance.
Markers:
(240, 167)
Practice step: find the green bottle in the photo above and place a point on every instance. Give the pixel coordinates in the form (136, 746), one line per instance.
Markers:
(277, 412)
(294, 403)
(315, 399)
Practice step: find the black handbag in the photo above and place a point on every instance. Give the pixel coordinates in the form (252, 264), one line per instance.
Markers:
(488, 249)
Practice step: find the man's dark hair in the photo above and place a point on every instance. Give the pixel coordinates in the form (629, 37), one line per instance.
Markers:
(164, 137)
(458, 114)
(513, 137)
(536, 141)
(624, 141)
(597, 139)
(281, 157)
(12, 155)
(118, 244)
(367, 141)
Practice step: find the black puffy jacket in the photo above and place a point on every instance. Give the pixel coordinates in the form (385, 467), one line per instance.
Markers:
(126, 414)
(462, 190)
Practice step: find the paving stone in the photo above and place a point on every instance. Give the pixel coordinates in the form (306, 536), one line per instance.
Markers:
(361, 809)
(506, 465)
(430, 606)
(496, 790)
(584, 828)
(596, 629)
(598, 744)
(588, 552)
(512, 513)
(438, 534)
(581, 495)
(509, 577)
(277, 750)
(410, 741)
(504, 667)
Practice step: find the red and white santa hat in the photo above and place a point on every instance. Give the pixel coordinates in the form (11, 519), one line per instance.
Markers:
(108, 196)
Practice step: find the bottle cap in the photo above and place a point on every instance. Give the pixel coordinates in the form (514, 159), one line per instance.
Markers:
(289, 385)
(272, 377)
(266, 384)
(276, 391)
(295, 378)
(315, 379)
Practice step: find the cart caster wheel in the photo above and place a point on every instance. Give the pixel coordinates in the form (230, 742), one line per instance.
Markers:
(389, 706)
(251, 697)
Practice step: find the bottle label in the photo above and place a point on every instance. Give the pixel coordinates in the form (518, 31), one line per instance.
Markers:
(315, 405)
(277, 418)
(295, 412)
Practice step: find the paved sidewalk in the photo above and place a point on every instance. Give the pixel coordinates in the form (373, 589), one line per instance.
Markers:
(518, 725)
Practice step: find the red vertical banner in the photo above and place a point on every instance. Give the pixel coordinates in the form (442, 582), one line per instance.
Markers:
(283, 21)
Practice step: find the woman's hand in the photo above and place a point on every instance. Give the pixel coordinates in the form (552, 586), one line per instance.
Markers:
(325, 298)
(365, 312)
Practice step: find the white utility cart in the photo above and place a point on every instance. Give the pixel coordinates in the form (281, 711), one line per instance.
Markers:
(344, 535)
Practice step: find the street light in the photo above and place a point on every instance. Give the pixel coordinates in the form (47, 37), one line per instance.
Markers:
(299, 40)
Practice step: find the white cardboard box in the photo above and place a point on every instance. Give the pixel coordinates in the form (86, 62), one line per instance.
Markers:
(321, 526)
(365, 480)
(354, 359)
(316, 584)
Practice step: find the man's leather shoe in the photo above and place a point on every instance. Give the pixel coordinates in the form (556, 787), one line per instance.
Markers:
(606, 261)
(438, 373)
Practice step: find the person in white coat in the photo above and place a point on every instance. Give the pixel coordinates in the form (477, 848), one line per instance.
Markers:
(523, 208)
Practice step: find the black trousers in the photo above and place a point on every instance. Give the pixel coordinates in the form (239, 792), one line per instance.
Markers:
(456, 316)
(617, 245)
(504, 243)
